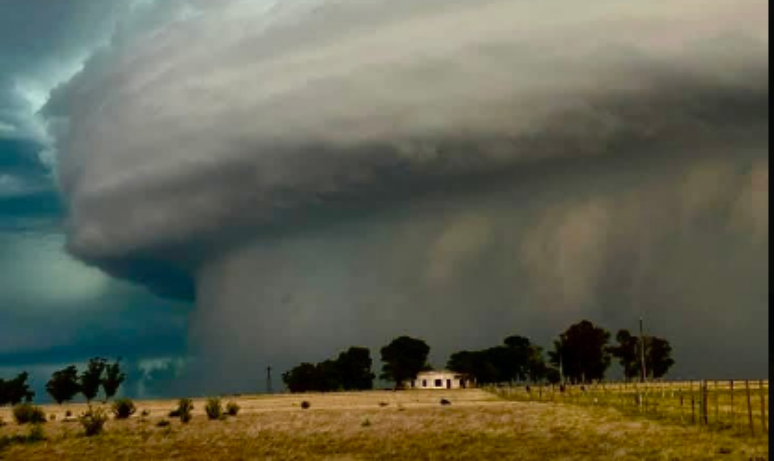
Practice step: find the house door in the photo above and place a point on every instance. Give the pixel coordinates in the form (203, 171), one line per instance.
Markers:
(448, 384)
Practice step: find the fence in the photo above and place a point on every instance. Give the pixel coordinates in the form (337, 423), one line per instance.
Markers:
(741, 406)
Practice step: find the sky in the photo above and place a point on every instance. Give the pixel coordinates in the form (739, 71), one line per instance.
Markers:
(205, 188)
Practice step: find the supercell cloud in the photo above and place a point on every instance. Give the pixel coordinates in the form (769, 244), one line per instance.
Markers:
(455, 169)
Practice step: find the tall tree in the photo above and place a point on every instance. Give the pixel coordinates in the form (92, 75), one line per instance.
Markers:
(16, 391)
(113, 379)
(404, 358)
(91, 378)
(303, 378)
(354, 369)
(658, 355)
(63, 385)
(582, 352)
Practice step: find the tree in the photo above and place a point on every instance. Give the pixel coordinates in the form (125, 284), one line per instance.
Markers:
(91, 378)
(351, 371)
(354, 369)
(63, 385)
(302, 378)
(475, 363)
(582, 352)
(627, 353)
(113, 379)
(658, 355)
(404, 358)
(16, 391)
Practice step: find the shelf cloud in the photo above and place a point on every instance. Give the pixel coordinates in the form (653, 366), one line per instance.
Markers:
(348, 168)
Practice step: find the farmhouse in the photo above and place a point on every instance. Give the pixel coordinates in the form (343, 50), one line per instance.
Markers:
(441, 380)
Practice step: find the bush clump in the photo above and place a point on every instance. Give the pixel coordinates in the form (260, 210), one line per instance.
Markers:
(37, 434)
(232, 409)
(27, 413)
(184, 410)
(214, 409)
(306, 405)
(123, 408)
(93, 421)
(163, 423)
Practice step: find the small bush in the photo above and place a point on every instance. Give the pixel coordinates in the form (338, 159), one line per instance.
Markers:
(52, 417)
(214, 409)
(123, 408)
(145, 413)
(27, 413)
(305, 405)
(384, 404)
(37, 434)
(93, 421)
(68, 414)
(174, 413)
(2, 423)
(185, 409)
(163, 423)
(232, 409)
(366, 423)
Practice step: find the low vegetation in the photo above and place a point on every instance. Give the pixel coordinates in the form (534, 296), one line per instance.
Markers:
(232, 409)
(184, 410)
(214, 409)
(123, 408)
(93, 421)
(26, 413)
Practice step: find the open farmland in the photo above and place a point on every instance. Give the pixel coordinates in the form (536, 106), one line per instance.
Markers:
(383, 425)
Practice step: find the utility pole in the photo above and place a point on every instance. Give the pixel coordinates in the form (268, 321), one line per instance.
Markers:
(269, 389)
(642, 349)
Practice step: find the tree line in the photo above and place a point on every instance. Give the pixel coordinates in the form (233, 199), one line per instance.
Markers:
(582, 354)
(68, 383)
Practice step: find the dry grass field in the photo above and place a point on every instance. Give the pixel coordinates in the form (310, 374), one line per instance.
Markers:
(383, 425)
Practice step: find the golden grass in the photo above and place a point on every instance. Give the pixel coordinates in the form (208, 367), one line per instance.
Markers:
(411, 426)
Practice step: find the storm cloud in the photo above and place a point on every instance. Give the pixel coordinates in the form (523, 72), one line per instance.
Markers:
(455, 169)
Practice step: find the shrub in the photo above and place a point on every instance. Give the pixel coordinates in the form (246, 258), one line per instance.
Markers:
(163, 423)
(232, 409)
(37, 434)
(123, 408)
(93, 421)
(68, 414)
(26, 413)
(2, 423)
(214, 408)
(184, 409)
(52, 417)
(145, 413)
(305, 405)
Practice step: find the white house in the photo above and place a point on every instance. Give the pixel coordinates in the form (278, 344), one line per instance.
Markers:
(441, 380)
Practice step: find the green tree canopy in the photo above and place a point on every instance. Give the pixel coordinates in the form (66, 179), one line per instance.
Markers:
(91, 379)
(113, 379)
(658, 355)
(582, 352)
(404, 358)
(16, 390)
(63, 385)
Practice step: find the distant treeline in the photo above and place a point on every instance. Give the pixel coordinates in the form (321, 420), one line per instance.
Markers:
(68, 383)
(583, 353)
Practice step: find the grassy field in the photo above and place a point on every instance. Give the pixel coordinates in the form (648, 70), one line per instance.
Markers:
(383, 425)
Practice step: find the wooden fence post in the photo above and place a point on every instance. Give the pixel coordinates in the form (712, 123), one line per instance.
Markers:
(733, 408)
(749, 408)
(764, 420)
(693, 405)
(717, 403)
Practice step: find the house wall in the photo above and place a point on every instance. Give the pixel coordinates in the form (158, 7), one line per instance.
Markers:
(439, 380)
